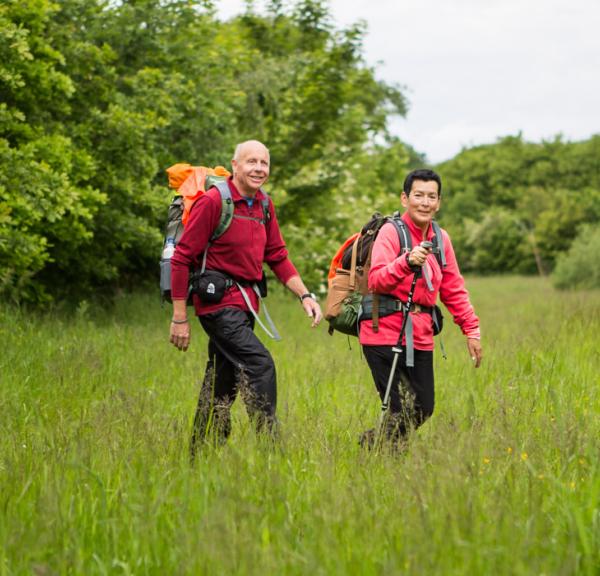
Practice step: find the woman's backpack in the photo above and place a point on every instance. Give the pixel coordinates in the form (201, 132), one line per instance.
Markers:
(349, 272)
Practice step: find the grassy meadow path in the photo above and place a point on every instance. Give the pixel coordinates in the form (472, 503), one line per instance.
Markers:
(95, 414)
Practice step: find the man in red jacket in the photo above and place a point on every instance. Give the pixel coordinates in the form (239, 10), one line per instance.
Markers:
(392, 271)
(238, 361)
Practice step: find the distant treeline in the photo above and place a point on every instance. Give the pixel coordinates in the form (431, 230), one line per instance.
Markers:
(99, 97)
(516, 206)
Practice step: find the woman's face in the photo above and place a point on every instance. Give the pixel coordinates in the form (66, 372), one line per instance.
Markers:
(423, 202)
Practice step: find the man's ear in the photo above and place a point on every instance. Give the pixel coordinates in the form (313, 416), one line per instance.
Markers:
(404, 199)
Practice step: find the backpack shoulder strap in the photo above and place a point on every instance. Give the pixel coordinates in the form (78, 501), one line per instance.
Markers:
(403, 233)
(405, 246)
(406, 242)
(438, 244)
(265, 207)
(226, 209)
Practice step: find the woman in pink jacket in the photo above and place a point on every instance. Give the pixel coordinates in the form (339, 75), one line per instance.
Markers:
(392, 271)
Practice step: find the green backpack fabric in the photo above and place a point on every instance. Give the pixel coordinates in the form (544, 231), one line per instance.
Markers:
(346, 321)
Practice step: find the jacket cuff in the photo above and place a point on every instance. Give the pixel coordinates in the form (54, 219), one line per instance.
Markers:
(402, 265)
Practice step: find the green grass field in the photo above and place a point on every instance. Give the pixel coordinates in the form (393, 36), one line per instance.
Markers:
(96, 409)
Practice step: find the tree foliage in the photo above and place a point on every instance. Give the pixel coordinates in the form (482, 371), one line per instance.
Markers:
(579, 267)
(514, 206)
(99, 97)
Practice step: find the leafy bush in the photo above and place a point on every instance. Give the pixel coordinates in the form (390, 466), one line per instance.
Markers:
(546, 189)
(496, 243)
(99, 98)
(47, 213)
(579, 267)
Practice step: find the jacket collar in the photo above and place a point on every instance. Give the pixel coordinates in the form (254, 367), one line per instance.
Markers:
(415, 230)
(235, 193)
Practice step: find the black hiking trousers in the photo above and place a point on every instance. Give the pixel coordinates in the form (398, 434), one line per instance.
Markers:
(412, 393)
(237, 362)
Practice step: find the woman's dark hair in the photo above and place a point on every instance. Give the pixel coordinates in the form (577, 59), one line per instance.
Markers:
(422, 174)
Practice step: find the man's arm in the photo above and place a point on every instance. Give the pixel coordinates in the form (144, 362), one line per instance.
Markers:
(389, 267)
(276, 256)
(204, 217)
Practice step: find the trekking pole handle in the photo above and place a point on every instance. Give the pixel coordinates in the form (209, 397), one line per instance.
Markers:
(427, 246)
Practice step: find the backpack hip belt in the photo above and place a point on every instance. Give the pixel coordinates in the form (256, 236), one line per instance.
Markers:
(389, 305)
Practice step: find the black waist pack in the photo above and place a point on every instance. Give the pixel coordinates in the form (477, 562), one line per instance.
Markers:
(210, 285)
(262, 285)
(438, 320)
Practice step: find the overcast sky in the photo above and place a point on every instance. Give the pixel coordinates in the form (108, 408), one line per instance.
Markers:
(475, 70)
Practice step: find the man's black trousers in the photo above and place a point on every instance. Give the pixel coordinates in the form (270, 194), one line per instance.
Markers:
(237, 362)
(412, 393)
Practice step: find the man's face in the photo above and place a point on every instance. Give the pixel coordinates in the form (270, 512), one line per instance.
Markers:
(423, 202)
(251, 169)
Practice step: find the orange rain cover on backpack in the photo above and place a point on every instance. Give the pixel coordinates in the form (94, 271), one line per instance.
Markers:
(337, 259)
(189, 181)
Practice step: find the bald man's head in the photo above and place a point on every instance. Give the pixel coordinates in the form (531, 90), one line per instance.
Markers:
(248, 147)
(251, 163)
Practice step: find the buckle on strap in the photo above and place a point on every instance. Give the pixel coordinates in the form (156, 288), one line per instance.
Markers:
(388, 305)
(419, 308)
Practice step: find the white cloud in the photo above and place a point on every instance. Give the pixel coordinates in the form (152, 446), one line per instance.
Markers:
(477, 70)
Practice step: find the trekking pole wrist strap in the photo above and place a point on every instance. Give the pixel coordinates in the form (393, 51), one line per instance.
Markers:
(273, 333)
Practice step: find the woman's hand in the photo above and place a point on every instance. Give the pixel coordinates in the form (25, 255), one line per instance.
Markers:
(418, 255)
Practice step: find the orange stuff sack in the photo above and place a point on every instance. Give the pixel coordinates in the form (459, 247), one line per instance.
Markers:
(191, 182)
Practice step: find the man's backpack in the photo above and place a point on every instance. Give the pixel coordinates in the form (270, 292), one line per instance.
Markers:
(349, 273)
(192, 182)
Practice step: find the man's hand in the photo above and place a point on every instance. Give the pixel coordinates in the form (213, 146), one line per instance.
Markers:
(475, 351)
(180, 334)
(310, 305)
(313, 310)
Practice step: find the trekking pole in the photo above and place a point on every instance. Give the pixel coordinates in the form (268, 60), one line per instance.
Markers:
(397, 350)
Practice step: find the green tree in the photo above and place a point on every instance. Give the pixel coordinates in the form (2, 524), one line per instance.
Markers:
(579, 267)
(549, 189)
(47, 202)
(102, 96)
